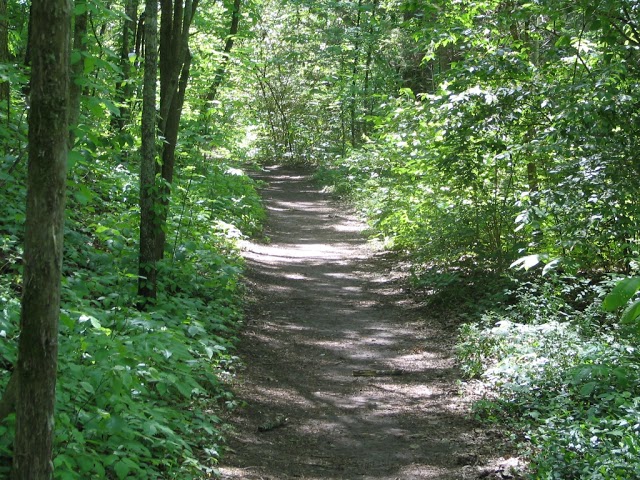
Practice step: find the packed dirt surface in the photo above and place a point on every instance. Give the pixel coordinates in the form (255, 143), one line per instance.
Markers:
(346, 376)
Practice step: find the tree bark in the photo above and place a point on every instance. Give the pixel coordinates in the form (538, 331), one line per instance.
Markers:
(124, 89)
(149, 226)
(77, 70)
(46, 183)
(355, 139)
(5, 99)
(233, 31)
(175, 62)
(172, 128)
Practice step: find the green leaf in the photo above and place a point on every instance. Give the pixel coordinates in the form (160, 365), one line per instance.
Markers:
(588, 388)
(75, 57)
(122, 469)
(631, 313)
(85, 463)
(87, 387)
(621, 293)
(184, 389)
(83, 195)
(74, 157)
(563, 41)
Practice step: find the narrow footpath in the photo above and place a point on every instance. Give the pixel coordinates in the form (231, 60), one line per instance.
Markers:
(345, 376)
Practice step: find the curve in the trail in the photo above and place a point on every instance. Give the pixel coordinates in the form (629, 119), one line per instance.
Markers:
(326, 307)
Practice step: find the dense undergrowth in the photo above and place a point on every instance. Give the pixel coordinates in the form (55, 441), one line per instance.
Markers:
(562, 375)
(139, 392)
(507, 183)
(552, 368)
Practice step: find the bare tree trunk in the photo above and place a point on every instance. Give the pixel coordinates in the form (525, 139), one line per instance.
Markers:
(124, 89)
(172, 128)
(233, 31)
(175, 62)
(355, 139)
(149, 226)
(5, 99)
(46, 183)
(77, 70)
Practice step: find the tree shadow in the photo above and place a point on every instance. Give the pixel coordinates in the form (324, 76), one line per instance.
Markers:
(325, 311)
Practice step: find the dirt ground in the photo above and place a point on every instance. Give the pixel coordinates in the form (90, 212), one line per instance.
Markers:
(346, 376)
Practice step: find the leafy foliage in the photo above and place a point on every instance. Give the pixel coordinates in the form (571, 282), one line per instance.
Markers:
(139, 393)
(473, 136)
(514, 143)
(562, 376)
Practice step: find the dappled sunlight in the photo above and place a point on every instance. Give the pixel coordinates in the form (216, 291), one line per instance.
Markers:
(336, 355)
(284, 396)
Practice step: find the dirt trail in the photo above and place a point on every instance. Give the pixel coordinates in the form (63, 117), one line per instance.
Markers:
(325, 305)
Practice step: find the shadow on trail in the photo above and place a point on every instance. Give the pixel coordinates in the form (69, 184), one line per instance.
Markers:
(325, 309)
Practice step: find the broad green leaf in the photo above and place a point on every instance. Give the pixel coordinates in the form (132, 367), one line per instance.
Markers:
(631, 313)
(184, 389)
(621, 293)
(87, 387)
(121, 469)
(85, 463)
(588, 388)
(74, 157)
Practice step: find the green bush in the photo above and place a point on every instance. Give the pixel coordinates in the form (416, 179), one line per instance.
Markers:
(571, 392)
(139, 393)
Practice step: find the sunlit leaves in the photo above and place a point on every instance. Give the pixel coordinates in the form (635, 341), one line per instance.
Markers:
(623, 291)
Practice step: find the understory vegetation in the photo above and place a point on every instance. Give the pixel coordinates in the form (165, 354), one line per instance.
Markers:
(509, 181)
(139, 392)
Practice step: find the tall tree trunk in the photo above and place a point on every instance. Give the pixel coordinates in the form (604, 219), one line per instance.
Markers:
(124, 89)
(46, 183)
(77, 69)
(355, 140)
(226, 56)
(368, 99)
(174, 75)
(5, 100)
(149, 226)
(169, 151)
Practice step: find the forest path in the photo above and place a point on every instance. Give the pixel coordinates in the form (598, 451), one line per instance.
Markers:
(326, 304)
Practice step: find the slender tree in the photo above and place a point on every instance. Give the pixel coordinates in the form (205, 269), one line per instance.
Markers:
(149, 226)
(175, 63)
(46, 183)
(226, 55)
(124, 88)
(4, 56)
(77, 68)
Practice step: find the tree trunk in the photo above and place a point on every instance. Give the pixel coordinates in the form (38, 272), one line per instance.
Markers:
(368, 99)
(124, 89)
(169, 151)
(217, 80)
(175, 62)
(149, 226)
(355, 138)
(5, 100)
(77, 70)
(46, 183)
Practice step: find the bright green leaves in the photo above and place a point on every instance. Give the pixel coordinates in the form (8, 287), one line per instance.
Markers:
(623, 292)
(620, 296)
(132, 385)
(564, 390)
